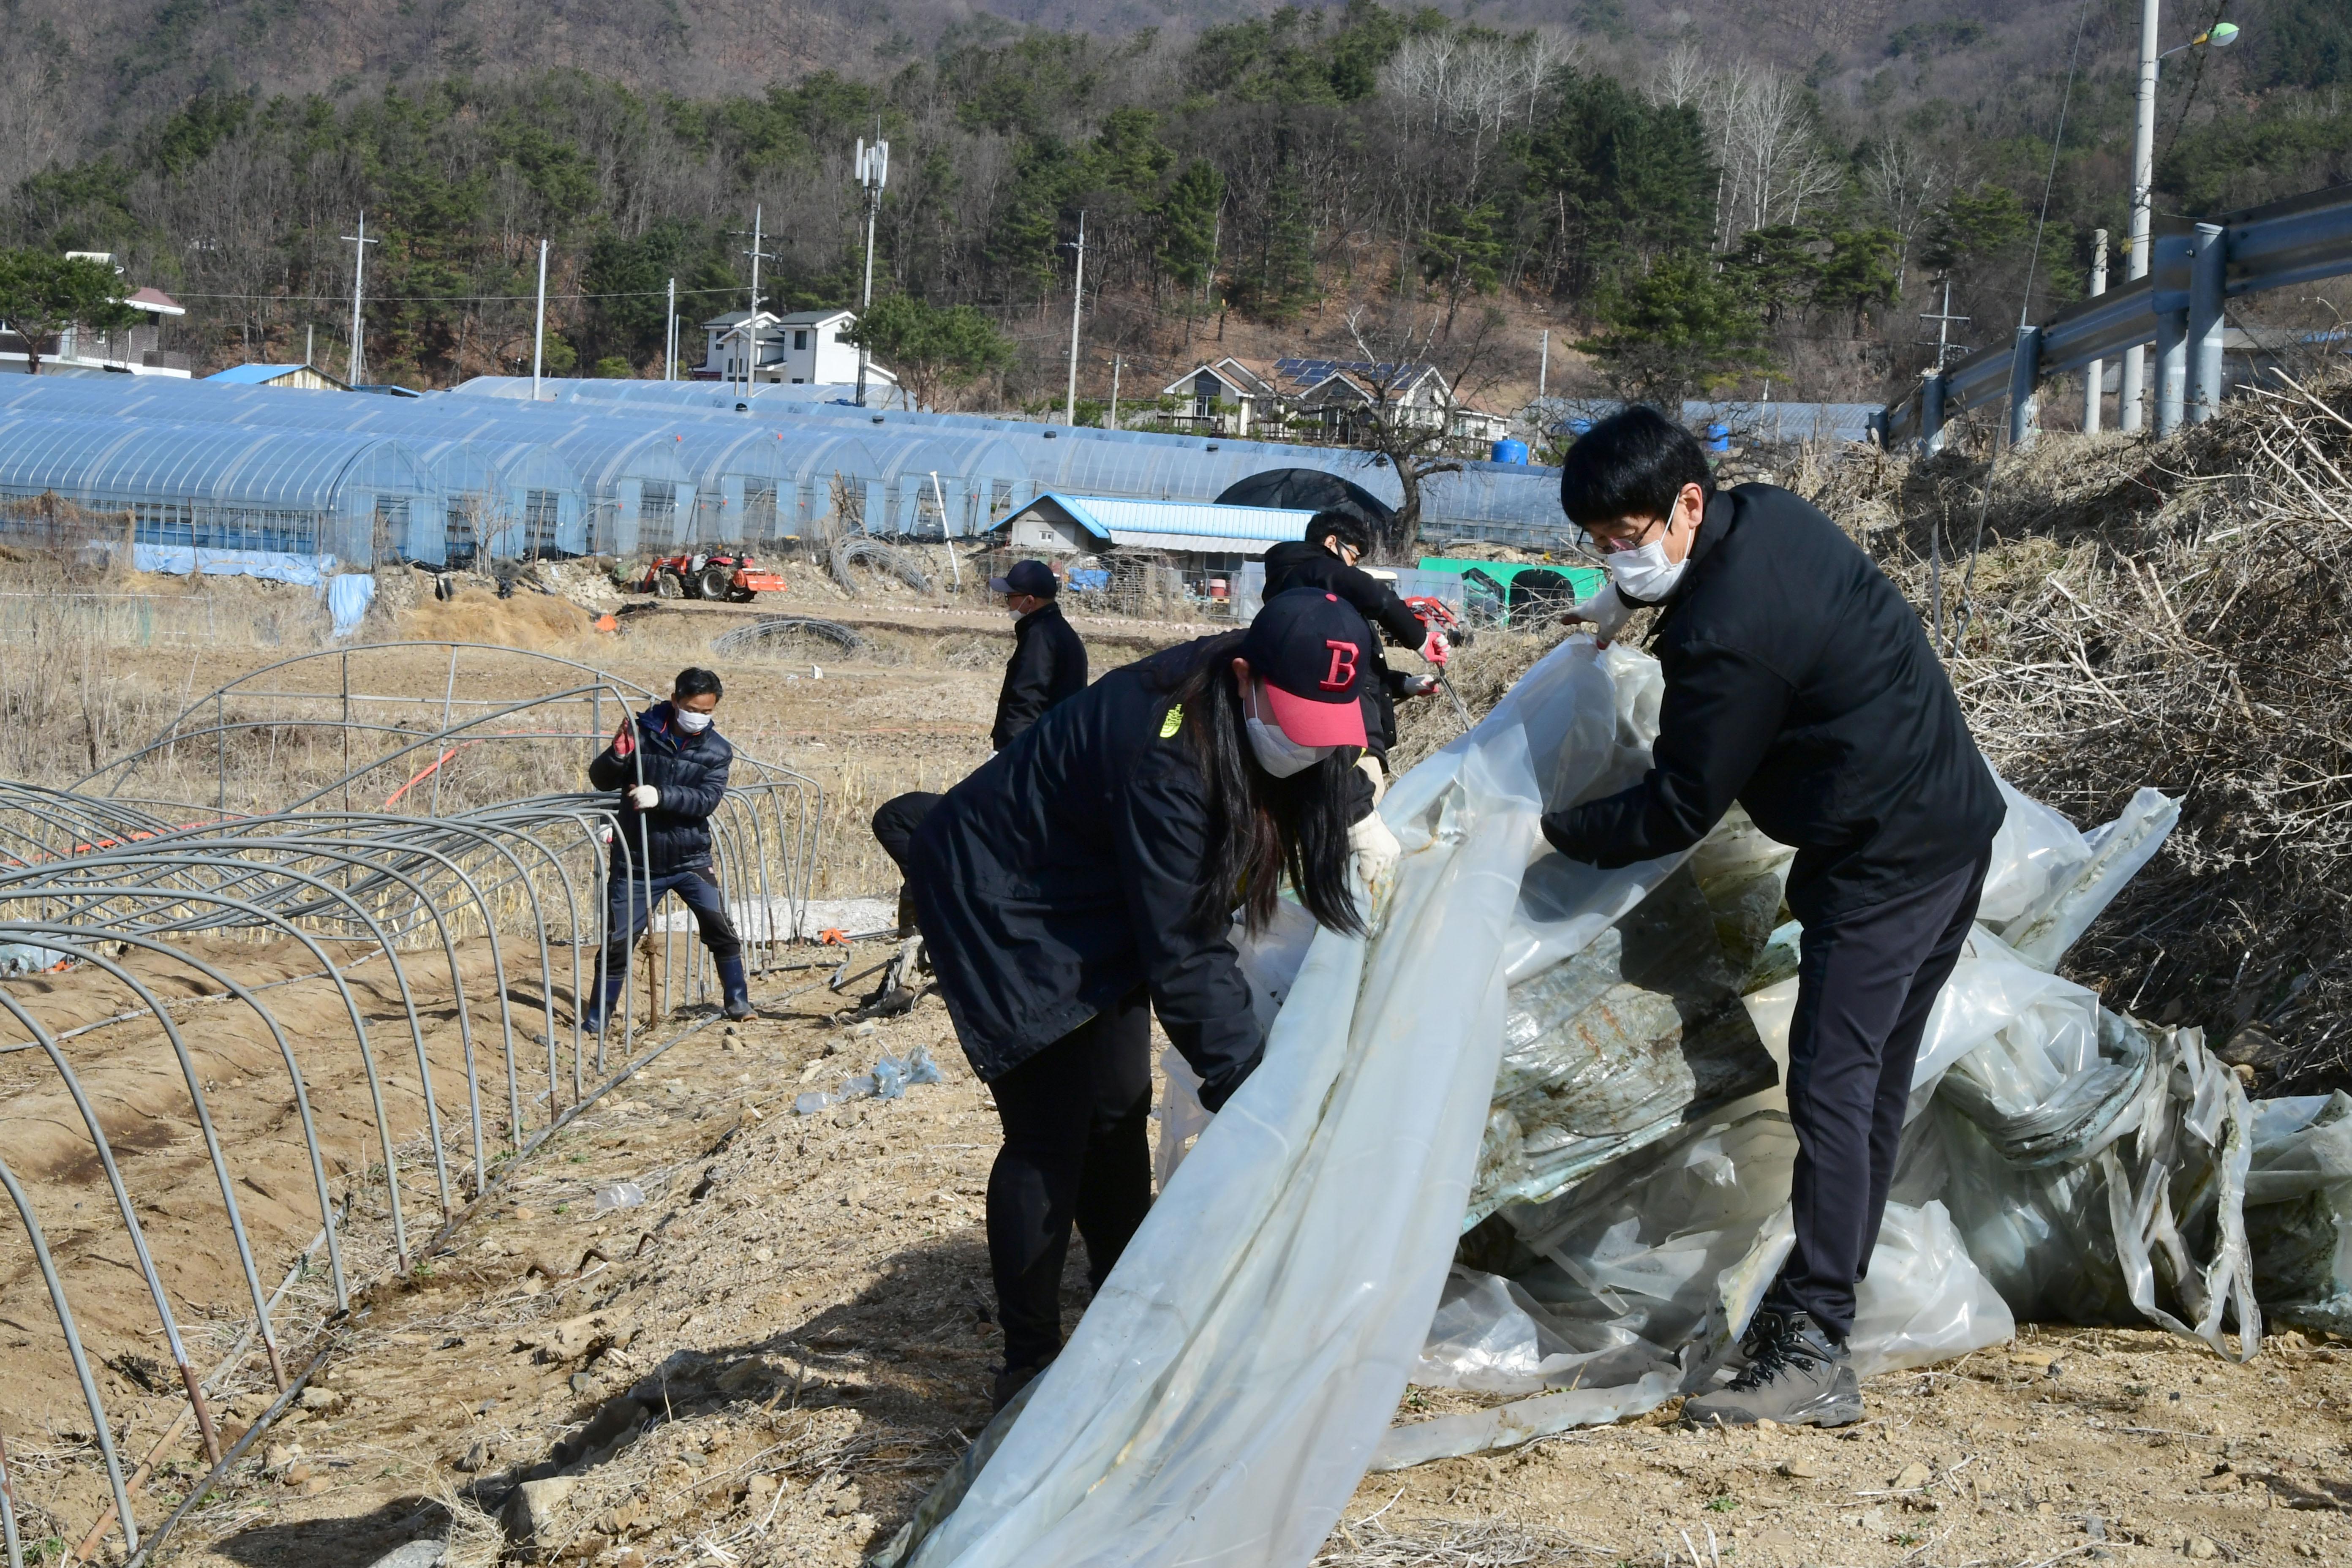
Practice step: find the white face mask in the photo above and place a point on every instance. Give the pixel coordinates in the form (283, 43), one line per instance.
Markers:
(1645, 573)
(690, 722)
(1276, 752)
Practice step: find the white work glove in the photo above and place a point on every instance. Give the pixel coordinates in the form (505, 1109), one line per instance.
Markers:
(1419, 685)
(644, 797)
(1372, 852)
(1369, 766)
(1606, 612)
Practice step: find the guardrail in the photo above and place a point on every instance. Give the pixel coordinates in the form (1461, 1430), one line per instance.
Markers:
(2178, 306)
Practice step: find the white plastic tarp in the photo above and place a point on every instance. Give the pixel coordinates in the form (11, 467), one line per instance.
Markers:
(1228, 1388)
(1235, 1379)
(273, 566)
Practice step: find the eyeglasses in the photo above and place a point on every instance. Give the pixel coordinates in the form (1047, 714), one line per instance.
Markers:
(1612, 543)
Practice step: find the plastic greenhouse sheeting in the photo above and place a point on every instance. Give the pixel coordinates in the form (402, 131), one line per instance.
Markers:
(270, 566)
(1236, 1375)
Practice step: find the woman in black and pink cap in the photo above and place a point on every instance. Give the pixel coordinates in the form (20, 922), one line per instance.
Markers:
(1090, 872)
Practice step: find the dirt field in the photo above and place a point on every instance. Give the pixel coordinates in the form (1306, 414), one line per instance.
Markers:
(770, 1357)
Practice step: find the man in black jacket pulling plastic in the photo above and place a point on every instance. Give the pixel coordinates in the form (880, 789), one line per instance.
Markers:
(1326, 559)
(670, 765)
(1799, 683)
(1048, 663)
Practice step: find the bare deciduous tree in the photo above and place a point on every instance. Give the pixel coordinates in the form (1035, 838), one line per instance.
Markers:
(1904, 181)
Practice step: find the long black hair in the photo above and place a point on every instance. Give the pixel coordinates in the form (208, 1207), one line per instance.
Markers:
(1262, 828)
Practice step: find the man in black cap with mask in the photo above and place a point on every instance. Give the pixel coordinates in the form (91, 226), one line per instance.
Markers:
(1048, 663)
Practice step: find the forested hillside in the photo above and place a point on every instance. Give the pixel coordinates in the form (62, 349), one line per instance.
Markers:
(1702, 197)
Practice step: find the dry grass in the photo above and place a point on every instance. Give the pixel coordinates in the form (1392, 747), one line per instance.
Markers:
(1496, 1543)
(2171, 615)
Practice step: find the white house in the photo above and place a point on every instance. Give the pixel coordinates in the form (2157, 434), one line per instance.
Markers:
(1414, 396)
(1226, 396)
(804, 348)
(77, 349)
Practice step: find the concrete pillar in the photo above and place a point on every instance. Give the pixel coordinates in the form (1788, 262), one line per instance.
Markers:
(2024, 371)
(2095, 371)
(2171, 370)
(2208, 277)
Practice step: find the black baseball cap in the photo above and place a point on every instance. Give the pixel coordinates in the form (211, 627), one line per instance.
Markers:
(1310, 649)
(1034, 578)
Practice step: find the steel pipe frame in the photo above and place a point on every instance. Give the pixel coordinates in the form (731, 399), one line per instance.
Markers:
(293, 1071)
(203, 1125)
(220, 694)
(169, 864)
(130, 1216)
(359, 1031)
(400, 975)
(100, 1429)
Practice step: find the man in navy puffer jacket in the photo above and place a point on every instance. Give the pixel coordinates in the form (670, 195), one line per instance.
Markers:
(670, 765)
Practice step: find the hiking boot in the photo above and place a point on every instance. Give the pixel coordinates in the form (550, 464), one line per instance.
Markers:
(1794, 1377)
(1011, 1380)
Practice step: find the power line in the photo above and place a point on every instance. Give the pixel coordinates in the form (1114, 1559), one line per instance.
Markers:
(2025, 305)
(449, 299)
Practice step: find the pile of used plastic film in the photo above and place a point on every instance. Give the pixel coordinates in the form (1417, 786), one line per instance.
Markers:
(1528, 1138)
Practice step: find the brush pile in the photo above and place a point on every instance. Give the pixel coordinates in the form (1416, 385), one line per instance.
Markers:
(2173, 616)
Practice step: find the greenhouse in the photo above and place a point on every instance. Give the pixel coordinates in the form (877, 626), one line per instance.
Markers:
(358, 498)
(1503, 501)
(663, 470)
(506, 498)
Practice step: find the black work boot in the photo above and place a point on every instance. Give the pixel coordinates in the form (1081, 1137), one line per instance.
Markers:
(1794, 1375)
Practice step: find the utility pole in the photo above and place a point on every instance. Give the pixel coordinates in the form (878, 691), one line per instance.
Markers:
(539, 330)
(669, 341)
(873, 174)
(309, 341)
(359, 243)
(751, 321)
(1113, 421)
(1943, 320)
(1078, 298)
(1543, 365)
(2095, 371)
(2135, 251)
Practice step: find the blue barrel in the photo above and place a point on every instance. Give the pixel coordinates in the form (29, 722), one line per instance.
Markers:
(1719, 437)
(1509, 451)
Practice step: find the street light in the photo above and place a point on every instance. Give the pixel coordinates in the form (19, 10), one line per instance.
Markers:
(2219, 36)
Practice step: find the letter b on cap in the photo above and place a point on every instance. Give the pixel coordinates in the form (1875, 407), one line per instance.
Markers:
(1343, 665)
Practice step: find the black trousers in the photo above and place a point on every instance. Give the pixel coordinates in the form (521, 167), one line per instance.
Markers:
(1866, 984)
(895, 820)
(1076, 1117)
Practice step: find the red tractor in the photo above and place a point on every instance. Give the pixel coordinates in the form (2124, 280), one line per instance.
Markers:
(717, 575)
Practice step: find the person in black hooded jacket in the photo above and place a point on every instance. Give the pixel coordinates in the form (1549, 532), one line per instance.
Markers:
(670, 765)
(1800, 684)
(1337, 537)
(1049, 659)
(1088, 874)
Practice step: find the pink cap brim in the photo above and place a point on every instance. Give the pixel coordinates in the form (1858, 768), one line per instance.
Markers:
(1316, 723)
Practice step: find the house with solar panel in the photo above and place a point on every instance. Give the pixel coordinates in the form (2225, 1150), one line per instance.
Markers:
(1225, 396)
(1329, 399)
